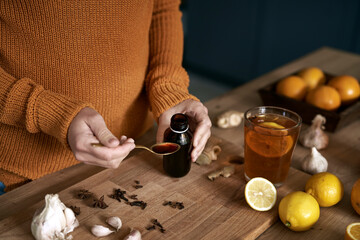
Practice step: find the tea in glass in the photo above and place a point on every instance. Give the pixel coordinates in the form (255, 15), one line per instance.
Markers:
(270, 135)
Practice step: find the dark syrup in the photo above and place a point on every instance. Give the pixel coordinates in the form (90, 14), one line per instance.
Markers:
(165, 148)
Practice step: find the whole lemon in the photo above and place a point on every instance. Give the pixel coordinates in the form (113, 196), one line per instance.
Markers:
(347, 86)
(326, 188)
(312, 76)
(292, 87)
(324, 97)
(355, 196)
(299, 211)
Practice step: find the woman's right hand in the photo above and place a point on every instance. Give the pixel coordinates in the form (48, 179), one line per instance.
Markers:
(89, 127)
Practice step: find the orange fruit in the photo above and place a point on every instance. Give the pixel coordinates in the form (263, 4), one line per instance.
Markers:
(355, 196)
(347, 86)
(292, 87)
(312, 76)
(353, 231)
(324, 97)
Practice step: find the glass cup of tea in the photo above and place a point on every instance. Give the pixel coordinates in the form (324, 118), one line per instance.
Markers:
(270, 137)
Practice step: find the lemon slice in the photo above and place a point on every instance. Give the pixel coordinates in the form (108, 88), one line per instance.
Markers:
(271, 125)
(260, 194)
(353, 231)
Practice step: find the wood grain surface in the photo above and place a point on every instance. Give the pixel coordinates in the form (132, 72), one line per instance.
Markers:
(343, 155)
(213, 209)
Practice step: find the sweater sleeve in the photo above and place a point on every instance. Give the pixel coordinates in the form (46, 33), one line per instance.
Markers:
(23, 103)
(167, 81)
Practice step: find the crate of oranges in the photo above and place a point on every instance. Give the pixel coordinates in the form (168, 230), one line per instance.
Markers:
(311, 91)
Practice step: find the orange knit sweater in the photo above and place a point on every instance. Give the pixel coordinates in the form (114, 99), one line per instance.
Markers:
(123, 58)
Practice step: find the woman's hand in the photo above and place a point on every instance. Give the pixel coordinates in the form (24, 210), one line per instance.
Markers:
(199, 122)
(89, 127)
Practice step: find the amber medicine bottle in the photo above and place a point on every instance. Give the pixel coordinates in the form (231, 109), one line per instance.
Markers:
(178, 164)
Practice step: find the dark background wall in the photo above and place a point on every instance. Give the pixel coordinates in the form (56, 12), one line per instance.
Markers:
(235, 41)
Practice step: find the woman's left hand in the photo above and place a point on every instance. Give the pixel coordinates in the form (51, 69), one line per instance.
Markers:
(199, 122)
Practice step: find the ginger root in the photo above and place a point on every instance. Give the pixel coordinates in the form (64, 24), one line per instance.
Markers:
(227, 171)
(210, 152)
(229, 119)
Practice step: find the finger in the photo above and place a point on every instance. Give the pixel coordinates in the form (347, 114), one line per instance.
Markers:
(202, 127)
(122, 139)
(200, 147)
(91, 160)
(108, 154)
(104, 135)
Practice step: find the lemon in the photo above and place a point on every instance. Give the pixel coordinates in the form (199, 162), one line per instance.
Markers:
(271, 125)
(299, 211)
(326, 188)
(355, 196)
(260, 194)
(352, 231)
(292, 87)
(312, 76)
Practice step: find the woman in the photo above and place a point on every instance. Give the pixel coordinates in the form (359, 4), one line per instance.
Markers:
(77, 72)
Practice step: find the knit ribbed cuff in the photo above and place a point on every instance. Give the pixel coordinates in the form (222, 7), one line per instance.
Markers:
(167, 95)
(53, 114)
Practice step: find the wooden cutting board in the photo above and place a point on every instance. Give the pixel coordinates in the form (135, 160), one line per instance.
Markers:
(212, 209)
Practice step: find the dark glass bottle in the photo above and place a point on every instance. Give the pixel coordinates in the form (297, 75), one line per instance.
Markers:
(178, 164)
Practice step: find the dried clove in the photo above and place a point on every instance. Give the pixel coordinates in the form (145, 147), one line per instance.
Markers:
(76, 210)
(133, 197)
(141, 204)
(178, 205)
(118, 195)
(156, 223)
(84, 194)
(149, 228)
(100, 203)
(138, 185)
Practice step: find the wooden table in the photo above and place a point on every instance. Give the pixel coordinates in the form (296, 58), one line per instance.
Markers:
(343, 152)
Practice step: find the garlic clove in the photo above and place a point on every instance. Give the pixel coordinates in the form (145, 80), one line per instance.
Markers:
(314, 136)
(100, 231)
(115, 222)
(133, 235)
(71, 221)
(314, 162)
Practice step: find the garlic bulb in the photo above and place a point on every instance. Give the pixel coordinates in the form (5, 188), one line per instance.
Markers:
(314, 136)
(54, 221)
(133, 235)
(229, 119)
(100, 231)
(115, 222)
(314, 162)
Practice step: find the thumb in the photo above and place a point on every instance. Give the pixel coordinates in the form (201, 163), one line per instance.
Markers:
(104, 135)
